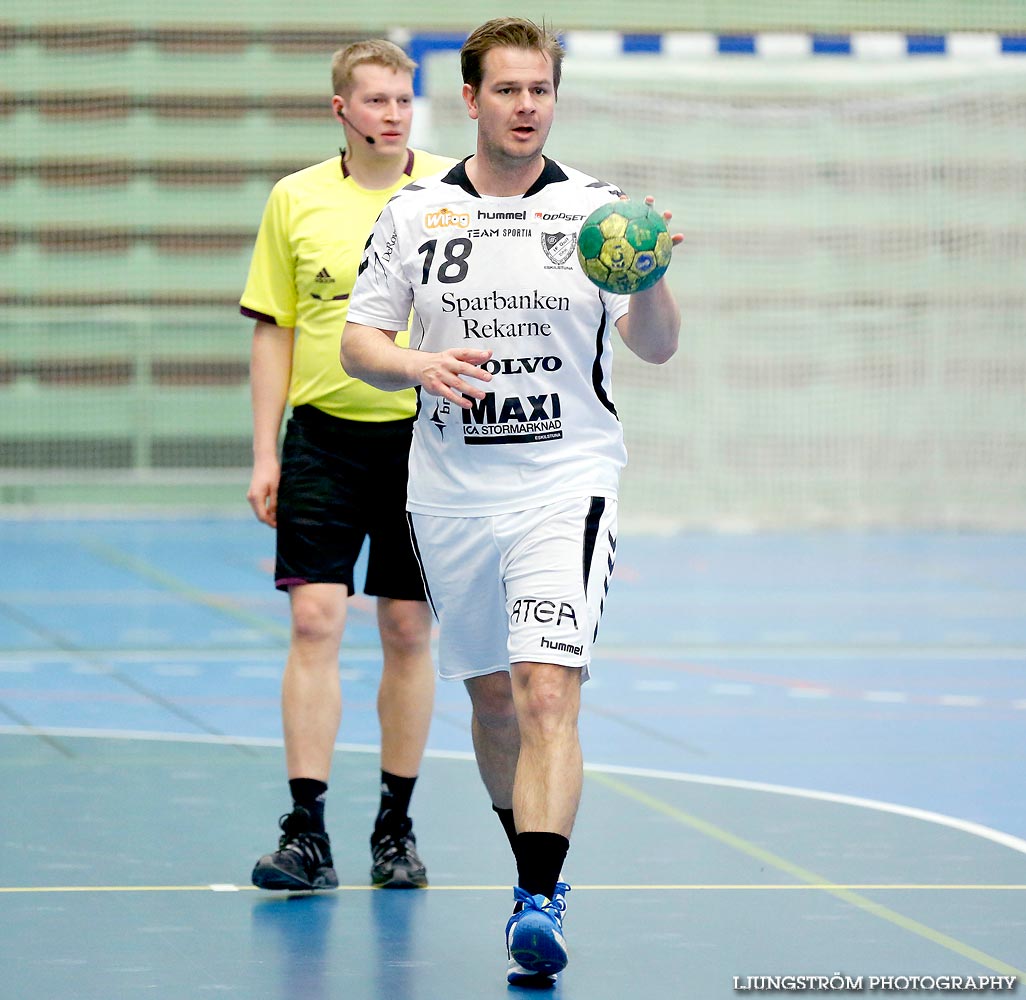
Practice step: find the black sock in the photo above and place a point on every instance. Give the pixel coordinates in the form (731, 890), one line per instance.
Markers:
(309, 793)
(396, 793)
(508, 824)
(540, 858)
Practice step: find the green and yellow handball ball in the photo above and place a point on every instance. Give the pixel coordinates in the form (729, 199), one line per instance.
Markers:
(624, 247)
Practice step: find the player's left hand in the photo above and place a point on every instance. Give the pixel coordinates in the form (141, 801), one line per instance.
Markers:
(677, 238)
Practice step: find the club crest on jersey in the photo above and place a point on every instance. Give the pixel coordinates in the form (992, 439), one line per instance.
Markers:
(558, 246)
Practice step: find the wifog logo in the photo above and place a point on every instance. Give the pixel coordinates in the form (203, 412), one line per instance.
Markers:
(445, 218)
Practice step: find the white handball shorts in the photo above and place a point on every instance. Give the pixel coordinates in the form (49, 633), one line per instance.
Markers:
(522, 587)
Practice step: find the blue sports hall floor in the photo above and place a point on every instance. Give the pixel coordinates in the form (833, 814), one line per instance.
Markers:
(805, 758)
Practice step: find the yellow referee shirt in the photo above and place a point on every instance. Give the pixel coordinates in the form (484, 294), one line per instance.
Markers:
(311, 240)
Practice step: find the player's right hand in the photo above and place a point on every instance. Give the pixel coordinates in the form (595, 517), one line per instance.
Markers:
(263, 491)
(443, 374)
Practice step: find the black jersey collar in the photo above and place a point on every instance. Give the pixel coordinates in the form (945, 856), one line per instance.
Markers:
(407, 170)
(552, 173)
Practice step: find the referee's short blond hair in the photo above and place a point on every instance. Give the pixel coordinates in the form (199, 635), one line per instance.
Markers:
(374, 50)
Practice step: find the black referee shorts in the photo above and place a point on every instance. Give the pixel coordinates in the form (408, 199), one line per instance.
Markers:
(343, 481)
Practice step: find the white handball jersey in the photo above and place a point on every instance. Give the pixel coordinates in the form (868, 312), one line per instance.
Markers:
(501, 274)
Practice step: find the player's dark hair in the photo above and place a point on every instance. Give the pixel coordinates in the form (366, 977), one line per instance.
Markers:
(511, 33)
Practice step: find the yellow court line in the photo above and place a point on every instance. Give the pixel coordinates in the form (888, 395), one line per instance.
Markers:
(622, 887)
(841, 892)
(177, 586)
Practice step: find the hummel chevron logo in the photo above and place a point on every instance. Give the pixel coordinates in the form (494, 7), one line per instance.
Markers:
(437, 420)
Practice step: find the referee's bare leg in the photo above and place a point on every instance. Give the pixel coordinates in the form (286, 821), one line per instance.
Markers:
(311, 690)
(407, 690)
(311, 708)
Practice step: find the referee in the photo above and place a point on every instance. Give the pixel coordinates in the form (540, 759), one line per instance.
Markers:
(341, 477)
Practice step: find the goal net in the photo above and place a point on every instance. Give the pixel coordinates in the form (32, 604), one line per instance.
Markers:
(852, 282)
(853, 279)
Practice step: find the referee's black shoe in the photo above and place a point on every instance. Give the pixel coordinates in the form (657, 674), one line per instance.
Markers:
(303, 859)
(396, 863)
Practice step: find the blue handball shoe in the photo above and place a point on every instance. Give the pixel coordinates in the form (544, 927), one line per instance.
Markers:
(534, 938)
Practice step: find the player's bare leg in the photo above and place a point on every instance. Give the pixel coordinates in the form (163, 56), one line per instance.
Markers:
(405, 703)
(546, 795)
(549, 775)
(311, 712)
(496, 734)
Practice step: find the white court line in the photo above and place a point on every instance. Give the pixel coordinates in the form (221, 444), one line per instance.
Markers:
(883, 637)
(960, 700)
(732, 690)
(190, 653)
(655, 686)
(632, 652)
(816, 651)
(924, 815)
(269, 673)
(810, 693)
(886, 697)
(176, 670)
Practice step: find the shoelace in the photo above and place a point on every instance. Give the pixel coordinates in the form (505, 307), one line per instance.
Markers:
(390, 847)
(300, 841)
(307, 848)
(556, 904)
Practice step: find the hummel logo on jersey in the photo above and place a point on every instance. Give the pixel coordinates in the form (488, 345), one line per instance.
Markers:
(503, 216)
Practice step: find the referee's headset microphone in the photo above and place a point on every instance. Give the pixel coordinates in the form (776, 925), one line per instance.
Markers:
(369, 138)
